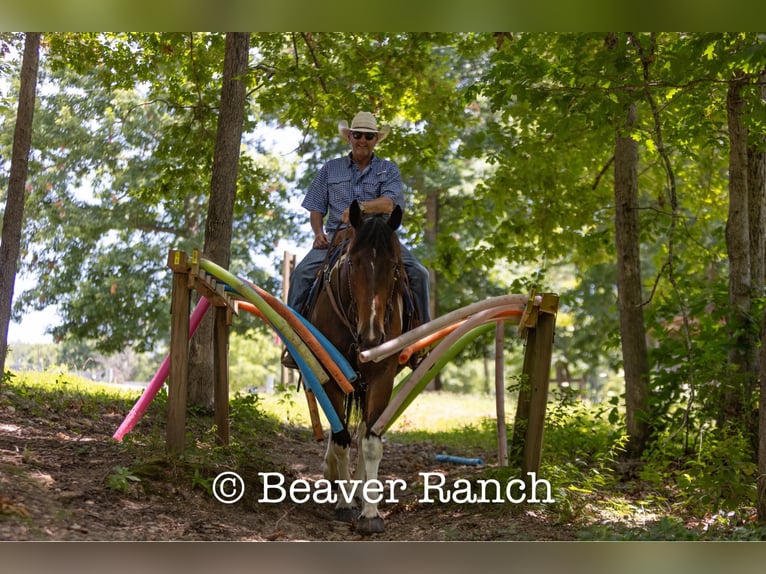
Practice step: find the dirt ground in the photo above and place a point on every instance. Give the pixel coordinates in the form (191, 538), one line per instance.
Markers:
(55, 474)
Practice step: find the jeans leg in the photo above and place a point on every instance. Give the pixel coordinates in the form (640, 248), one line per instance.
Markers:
(302, 277)
(420, 284)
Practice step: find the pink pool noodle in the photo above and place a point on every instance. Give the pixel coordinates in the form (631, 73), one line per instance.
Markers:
(159, 377)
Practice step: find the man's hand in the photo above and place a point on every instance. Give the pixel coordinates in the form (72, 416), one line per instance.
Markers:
(372, 206)
(321, 241)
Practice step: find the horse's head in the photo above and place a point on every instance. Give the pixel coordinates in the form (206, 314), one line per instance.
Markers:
(375, 274)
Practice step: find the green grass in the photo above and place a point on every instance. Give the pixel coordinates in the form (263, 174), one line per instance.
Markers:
(42, 393)
(70, 400)
(459, 424)
(581, 454)
(58, 381)
(430, 412)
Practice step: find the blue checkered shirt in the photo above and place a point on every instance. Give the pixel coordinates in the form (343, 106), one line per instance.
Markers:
(339, 182)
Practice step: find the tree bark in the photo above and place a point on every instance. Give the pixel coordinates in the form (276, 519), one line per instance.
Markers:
(632, 328)
(13, 218)
(220, 215)
(761, 480)
(742, 345)
(757, 185)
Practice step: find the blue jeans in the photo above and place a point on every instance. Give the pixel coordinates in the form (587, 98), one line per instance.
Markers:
(302, 278)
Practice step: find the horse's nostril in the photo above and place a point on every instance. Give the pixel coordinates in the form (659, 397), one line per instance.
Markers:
(371, 338)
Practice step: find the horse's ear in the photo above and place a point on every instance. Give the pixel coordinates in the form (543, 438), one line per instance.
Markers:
(355, 214)
(395, 219)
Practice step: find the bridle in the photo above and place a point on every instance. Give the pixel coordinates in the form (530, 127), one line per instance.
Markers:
(346, 311)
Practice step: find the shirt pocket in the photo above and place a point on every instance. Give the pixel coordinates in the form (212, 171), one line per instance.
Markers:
(372, 185)
(339, 188)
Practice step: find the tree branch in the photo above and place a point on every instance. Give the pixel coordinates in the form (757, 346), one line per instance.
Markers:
(601, 173)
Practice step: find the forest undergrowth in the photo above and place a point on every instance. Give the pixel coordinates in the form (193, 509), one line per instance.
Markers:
(59, 428)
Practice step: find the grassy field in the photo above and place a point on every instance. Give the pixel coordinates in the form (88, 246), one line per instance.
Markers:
(460, 423)
(430, 412)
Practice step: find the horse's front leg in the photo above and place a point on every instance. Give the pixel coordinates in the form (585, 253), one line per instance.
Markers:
(336, 469)
(371, 446)
(370, 521)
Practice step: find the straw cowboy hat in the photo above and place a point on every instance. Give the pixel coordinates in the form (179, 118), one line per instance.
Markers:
(363, 122)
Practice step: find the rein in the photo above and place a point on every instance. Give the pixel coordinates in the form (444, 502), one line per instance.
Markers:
(335, 295)
(346, 311)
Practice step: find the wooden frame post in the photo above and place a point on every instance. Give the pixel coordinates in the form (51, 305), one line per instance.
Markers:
(502, 438)
(287, 376)
(179, 352)
(187, 275)
(527, 443)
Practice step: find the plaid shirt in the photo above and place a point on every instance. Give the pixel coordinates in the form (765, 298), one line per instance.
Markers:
(339, 183)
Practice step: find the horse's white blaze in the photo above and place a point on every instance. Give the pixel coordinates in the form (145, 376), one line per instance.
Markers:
(373, 317)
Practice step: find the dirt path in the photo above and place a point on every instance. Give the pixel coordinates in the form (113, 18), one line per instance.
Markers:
(56, 471)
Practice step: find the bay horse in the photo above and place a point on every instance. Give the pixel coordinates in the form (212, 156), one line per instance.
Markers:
(358, 307)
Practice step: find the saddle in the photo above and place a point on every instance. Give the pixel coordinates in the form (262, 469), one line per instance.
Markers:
(335, 253)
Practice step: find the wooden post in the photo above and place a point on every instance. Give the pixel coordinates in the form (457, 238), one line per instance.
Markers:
(502, 440)
(521, 421)
(539, 378)
(288, 264)
(179, 352)
(221, 374)
(527, 442)
(316, 422)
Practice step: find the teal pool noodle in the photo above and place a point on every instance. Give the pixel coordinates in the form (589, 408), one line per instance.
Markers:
(316, 387)
(459, 459)
(335, 355)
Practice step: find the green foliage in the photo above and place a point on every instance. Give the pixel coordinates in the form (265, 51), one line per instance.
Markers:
(253, 359)
(513, 134)
(580, 454)
(6, 379)
(719, 474)
(122, 175)
(120, 479)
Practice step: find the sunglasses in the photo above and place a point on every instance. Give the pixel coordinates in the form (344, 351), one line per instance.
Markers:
(367, 136)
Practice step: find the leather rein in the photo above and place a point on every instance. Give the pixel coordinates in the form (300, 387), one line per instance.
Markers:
(346, 311)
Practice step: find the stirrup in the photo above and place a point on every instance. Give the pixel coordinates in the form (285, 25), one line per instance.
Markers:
(287, 360)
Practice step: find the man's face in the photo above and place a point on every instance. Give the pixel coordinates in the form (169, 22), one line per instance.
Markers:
(362, 147)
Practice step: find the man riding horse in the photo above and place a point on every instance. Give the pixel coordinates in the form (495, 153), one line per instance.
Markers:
(363, 298)
(377, 185)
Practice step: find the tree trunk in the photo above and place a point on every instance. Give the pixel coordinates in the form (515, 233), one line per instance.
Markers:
(742, 347)
(13, 218)
(220, 214)
(761, 480)
(632, 328)
(757, 185)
